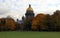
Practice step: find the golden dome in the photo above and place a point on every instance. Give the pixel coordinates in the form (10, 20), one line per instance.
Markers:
(29, 9)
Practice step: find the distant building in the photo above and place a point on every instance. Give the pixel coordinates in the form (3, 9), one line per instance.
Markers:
(29, 15)
(26, 21)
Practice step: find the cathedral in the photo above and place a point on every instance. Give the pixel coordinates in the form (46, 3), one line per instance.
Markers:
(27, 20)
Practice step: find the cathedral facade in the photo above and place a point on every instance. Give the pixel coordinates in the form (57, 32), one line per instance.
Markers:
(27, 20)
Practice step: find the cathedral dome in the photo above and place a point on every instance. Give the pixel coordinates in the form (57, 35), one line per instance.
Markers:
(29, 8)
(29, 11)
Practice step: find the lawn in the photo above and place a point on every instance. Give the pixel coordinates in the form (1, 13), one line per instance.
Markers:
(29, 34)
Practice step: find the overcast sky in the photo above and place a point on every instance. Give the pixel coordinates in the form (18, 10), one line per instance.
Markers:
(17, 8)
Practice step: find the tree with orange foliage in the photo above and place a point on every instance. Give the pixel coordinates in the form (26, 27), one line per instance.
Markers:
(38, 22)
(10, 23)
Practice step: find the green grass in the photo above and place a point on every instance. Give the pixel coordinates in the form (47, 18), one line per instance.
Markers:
(29, 34)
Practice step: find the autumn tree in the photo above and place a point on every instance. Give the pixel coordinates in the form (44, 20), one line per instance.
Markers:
(2, 24)
(56, 20)
(38, 22)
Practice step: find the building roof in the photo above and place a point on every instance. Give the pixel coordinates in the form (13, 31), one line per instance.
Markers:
(29, 8)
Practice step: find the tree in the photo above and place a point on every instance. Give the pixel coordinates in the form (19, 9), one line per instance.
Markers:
(10, 23)
(56, 20)
(38, 22)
